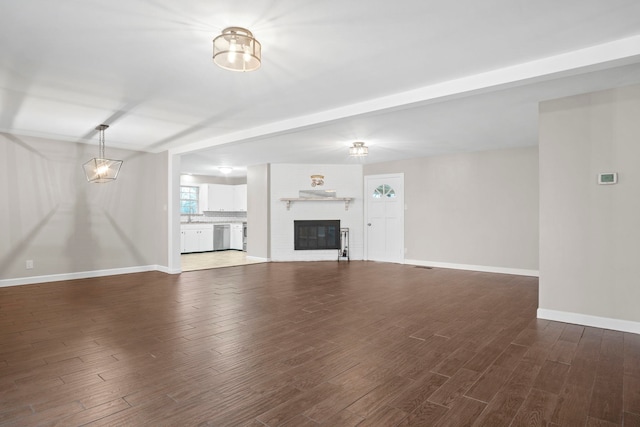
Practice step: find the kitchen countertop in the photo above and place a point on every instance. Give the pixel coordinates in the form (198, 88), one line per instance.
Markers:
(212, 222)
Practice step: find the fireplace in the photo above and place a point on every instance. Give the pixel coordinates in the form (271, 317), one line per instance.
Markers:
(316, 234)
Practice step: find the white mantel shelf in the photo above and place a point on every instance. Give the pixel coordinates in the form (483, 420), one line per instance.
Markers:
(288, 200)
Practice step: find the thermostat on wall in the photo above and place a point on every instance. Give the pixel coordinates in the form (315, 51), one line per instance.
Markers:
(607, 178)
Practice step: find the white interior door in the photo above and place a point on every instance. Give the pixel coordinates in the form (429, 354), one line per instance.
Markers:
(384, 226)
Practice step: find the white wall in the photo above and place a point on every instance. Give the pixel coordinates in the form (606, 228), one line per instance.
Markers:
(589, 233)
(475, 211)
(287, 180)
(50, 214)
(258, 211)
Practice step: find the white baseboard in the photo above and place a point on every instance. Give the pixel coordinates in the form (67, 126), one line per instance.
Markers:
(588, 320)
(80, 275)
(165, 269)
(482, 268)
(140, 269)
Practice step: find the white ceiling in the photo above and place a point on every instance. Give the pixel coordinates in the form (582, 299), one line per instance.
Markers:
(410, 78)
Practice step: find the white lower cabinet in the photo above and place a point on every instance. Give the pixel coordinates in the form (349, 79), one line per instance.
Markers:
(236, 236)
(196, 238)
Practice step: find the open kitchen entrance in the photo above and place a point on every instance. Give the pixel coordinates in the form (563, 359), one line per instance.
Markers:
(213, 222)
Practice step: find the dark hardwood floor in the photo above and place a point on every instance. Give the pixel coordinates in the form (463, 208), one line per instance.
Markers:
(306, 344)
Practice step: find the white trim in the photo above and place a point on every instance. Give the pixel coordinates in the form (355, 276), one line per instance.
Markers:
(599, 57)
(173, 213)
(483, 268)
(81, 275)
(255, 258)
(588, 320)
(164, 269)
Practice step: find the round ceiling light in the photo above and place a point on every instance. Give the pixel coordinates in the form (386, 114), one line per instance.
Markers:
(237, 50)
(358, 149)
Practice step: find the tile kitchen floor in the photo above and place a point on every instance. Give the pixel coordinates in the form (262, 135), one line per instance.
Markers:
(206, 260)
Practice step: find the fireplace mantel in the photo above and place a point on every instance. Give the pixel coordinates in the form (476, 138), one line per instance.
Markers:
(346, 200)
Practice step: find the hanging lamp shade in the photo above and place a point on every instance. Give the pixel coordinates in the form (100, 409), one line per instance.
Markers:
(237, 50)
(100, 170)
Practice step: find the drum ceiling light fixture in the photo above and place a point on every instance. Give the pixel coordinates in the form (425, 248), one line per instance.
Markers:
(358, 149)
(237, 50)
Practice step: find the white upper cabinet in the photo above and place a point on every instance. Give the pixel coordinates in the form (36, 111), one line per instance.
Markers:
(240, 197)
(203, 198)
(222, 197)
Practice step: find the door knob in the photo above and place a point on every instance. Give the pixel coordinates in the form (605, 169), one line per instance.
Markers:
(369, 224)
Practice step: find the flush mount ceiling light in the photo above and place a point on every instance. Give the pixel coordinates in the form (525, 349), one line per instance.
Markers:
(225, 169)
(236, 50)
(358, 149)
(100, 169)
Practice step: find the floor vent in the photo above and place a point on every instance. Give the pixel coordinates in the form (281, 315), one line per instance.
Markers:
(424, 267)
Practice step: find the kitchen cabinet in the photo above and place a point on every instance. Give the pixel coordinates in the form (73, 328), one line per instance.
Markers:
(221, 197)
(236, 236)
(196, 238)
(240, 197)
(203, 198)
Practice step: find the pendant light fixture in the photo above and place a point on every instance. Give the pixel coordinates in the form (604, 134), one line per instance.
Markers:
(237, 50)
(358, 149)
(100, 169)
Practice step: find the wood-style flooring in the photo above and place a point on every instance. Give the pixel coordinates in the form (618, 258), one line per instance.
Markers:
(306, 344)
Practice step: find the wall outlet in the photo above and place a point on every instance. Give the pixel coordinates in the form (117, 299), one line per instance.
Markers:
(29, 264)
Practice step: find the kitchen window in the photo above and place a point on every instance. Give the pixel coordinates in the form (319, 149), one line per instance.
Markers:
(189, 199)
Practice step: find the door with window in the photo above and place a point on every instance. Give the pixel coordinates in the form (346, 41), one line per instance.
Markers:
(384, 226)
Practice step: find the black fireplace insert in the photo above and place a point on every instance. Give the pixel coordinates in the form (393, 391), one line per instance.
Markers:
(316, 234)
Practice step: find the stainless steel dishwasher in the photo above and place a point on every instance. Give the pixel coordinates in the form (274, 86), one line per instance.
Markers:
(221, 234)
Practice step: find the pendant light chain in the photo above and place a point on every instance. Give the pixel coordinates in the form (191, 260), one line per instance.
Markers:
(101, 129)
(101, 139)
